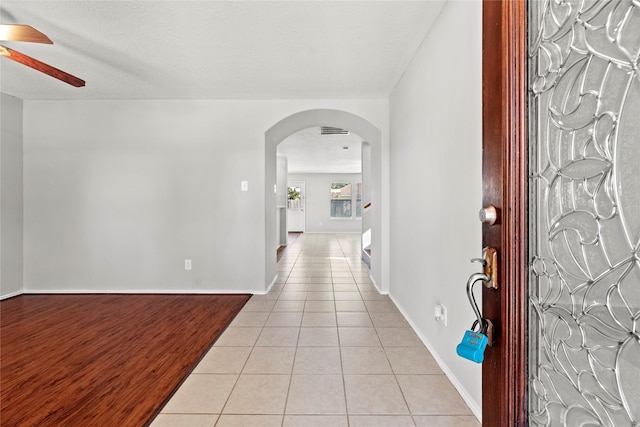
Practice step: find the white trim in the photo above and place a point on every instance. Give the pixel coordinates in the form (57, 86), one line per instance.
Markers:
(273, 282)
(11, 295)
(471, 403)
(382, 292)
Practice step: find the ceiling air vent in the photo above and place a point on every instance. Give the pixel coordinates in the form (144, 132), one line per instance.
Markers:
(328, 130)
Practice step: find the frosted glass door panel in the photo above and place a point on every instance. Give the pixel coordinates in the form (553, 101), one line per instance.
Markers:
(584, 334)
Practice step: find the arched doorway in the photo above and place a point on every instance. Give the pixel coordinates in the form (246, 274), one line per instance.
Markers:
(371, 176)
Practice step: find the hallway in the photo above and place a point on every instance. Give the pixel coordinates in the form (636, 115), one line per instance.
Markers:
(323, 348)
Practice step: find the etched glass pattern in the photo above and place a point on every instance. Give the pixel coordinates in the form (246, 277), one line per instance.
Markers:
(584, 316)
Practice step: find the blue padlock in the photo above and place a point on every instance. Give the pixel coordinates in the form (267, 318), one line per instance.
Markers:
(473, 343)
(472, 346)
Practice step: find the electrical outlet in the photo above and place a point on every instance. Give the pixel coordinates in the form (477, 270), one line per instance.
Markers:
(187, 264)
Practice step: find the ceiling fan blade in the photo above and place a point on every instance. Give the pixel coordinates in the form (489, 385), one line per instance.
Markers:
(22, 33)
(41, 66)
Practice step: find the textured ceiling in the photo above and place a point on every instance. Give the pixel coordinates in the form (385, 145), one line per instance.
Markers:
(217, 49)
(309, 152)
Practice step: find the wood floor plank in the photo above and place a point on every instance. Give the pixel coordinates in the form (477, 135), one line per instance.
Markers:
(102, 359)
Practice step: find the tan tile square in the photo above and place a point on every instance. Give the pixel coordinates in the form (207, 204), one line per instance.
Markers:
(289, 305)
(310, 319)
(284, 319)
(381, 306)
(312, 280)
(299, 296)
(319, 306)
(319, 287)
(298, 273)
(374, 394)
(350, 281)
(389, 320)
(184, 420)
(364, 360)
(412, 360)
(295, 287)
(368, 287)
(249, 421)
(315, 421)
(399, 337)
(369, 294)
(432, 395)
(201, 394)
(381, 421)
(250, 318)
(321, 273)
(223, 360)
(278, 337)
(274, 293)
(344, 287)
(270, 360)
(354, 318)
(258, 304)
(347, 296)
(258, 394)
(358, 337)
(340, 273)
(350, 306)
(320, 295)
(446, 421)
(316, 394)
(238, 337)
(318, 337)
(317, 360)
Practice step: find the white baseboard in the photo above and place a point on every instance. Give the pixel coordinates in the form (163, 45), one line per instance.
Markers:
(11, 295)
(273, 282)
(381, 292)
(471, 403)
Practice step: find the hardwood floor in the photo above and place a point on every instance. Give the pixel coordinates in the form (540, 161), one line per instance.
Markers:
(98, 360)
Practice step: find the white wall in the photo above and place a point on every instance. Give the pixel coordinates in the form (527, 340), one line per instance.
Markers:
(10, 196)
(435, 148)
(117, 194)
(318, 202)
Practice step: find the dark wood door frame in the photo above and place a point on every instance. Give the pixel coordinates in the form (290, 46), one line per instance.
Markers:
(504, 111)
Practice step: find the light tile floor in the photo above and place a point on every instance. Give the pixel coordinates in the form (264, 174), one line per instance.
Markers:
(322, 348)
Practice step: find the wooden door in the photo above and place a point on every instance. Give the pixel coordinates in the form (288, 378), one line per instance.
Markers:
(582, 344)
(505, 187)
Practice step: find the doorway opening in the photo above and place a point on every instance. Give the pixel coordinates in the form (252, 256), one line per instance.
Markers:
(276, 185)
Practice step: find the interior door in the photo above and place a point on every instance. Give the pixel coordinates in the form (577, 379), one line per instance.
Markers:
(295, 207)
(561, 164)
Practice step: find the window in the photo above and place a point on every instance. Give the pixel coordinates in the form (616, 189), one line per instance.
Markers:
(340, 200)
(359, 200)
